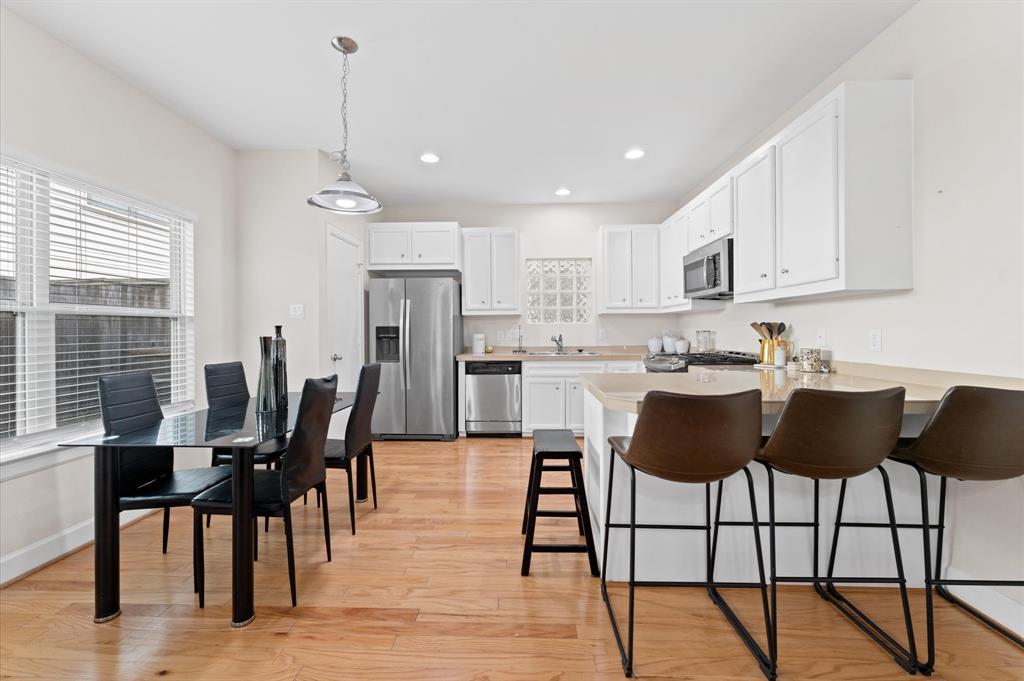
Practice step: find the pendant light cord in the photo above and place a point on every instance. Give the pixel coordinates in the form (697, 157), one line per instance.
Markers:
(344, 113)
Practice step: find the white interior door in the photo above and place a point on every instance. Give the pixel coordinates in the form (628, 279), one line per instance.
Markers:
(345, 323)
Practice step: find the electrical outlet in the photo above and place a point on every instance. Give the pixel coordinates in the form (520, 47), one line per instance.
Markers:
(500, 335)
(875, 340)
(821, 338)
(602, 335)
(296, 311)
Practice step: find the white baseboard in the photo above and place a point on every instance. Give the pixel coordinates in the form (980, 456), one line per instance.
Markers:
(988, 600)
(47, 549)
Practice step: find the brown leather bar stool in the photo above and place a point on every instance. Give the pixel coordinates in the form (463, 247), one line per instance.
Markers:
(692, 439)
(832, 435)
(976, 434)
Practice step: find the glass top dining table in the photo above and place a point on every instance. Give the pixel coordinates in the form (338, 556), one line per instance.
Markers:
(237, 429)
(234, 426)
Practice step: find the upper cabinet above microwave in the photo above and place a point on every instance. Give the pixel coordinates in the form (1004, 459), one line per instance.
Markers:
(414, 246)
(823, 207)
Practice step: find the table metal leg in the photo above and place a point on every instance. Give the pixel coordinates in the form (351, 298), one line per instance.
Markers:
(362, 470)
(242, 611)
(108, 548)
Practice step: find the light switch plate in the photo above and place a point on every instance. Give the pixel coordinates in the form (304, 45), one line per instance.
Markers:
(875, 340)
(821, 338)
(296, 311)
(602, 335)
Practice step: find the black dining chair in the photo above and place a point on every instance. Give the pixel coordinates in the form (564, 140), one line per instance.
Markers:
(226, 387)
(147, 477)
(339, 454)
(301, 469)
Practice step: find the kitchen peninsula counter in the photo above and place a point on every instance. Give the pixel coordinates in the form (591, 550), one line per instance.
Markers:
(597, 353)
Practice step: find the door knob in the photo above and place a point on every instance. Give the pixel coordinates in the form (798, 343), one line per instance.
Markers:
(335, 358)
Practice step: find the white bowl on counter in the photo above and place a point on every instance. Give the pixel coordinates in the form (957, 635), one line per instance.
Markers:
(682, 346)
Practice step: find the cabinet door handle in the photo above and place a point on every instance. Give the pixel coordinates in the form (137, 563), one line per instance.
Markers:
(499, 302)
(785, 271)
(557, 387)
(420, 255)
(402, 255)
(712, 230)
(764, 275)
(482, 302)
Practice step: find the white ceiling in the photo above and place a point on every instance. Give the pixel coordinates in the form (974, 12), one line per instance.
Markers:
(517, 98)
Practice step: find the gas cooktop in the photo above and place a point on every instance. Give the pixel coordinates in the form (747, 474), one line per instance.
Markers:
(669, 362)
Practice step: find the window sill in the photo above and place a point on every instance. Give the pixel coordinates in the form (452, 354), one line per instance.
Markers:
(46, 453)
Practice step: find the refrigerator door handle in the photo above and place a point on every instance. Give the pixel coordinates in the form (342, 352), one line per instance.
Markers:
(405, 341)
(401, 341)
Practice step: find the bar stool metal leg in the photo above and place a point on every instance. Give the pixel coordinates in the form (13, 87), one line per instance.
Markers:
(905, 657)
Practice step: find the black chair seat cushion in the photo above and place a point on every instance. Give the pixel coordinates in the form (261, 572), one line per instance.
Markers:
(266, 452)
(266, 495)
(555, 441)
(177, 488)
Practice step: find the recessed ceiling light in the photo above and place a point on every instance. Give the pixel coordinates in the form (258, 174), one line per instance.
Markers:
(345, 203)
(562, 191)
(430, 157)
(635, 153)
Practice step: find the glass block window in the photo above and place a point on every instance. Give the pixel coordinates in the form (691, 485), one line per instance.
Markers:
(558, 291)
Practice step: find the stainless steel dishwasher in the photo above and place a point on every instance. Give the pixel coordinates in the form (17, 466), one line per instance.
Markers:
(494, 398)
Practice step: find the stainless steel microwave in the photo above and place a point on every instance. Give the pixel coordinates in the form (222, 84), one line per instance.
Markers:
(707, 272)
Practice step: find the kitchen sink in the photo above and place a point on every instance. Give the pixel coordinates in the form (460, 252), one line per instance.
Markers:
(564, 353)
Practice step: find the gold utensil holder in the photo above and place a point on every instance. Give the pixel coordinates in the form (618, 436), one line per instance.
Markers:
(768, 346)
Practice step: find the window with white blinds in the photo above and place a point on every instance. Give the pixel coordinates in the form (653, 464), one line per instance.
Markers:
(91, 283)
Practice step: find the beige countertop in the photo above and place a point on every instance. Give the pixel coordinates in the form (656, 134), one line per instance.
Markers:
(605, 353)
(625, 392)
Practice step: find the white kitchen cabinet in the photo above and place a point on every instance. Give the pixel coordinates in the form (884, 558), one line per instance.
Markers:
(476, 271)
(553, 397)
(754, 186)
(505, 270)
(673, 247)
(434, 244)
(697, 228)
(627, 268)
(574, 405)
(389, 244)
(720, 209)
(644, 266)
(843, 192)
(616, 268)
(413, 246)
(543, 403)
(808, 226)
(490, 273)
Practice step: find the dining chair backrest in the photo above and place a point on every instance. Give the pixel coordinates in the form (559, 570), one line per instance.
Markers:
(695, 438)
(976, 434)
(832, 434)
(303, 465)
(225, 384)
(129, 402)
(358, 435)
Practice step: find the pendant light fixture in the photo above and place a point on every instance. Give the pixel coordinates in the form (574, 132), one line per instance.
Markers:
(344, 195)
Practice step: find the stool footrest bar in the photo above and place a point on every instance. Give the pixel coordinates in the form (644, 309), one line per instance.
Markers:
(559, 548)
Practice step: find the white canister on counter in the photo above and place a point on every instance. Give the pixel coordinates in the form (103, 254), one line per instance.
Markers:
(669, 342)
(479, 343)
(682, 346)
(654, 344)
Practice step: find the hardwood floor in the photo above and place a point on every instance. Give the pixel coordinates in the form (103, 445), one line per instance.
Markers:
(429, 589)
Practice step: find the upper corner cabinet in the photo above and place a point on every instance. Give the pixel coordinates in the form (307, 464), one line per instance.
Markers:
(842, 199)
(413, 246)
(490, 273)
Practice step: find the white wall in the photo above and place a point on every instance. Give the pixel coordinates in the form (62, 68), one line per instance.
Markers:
(65, 113)
(552, 231)
(281, 257)
(966, 311)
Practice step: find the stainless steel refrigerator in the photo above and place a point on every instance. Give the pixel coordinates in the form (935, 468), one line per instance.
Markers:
(415, 333)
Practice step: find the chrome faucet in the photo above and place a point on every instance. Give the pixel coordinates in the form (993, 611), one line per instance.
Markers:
(557, 340)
